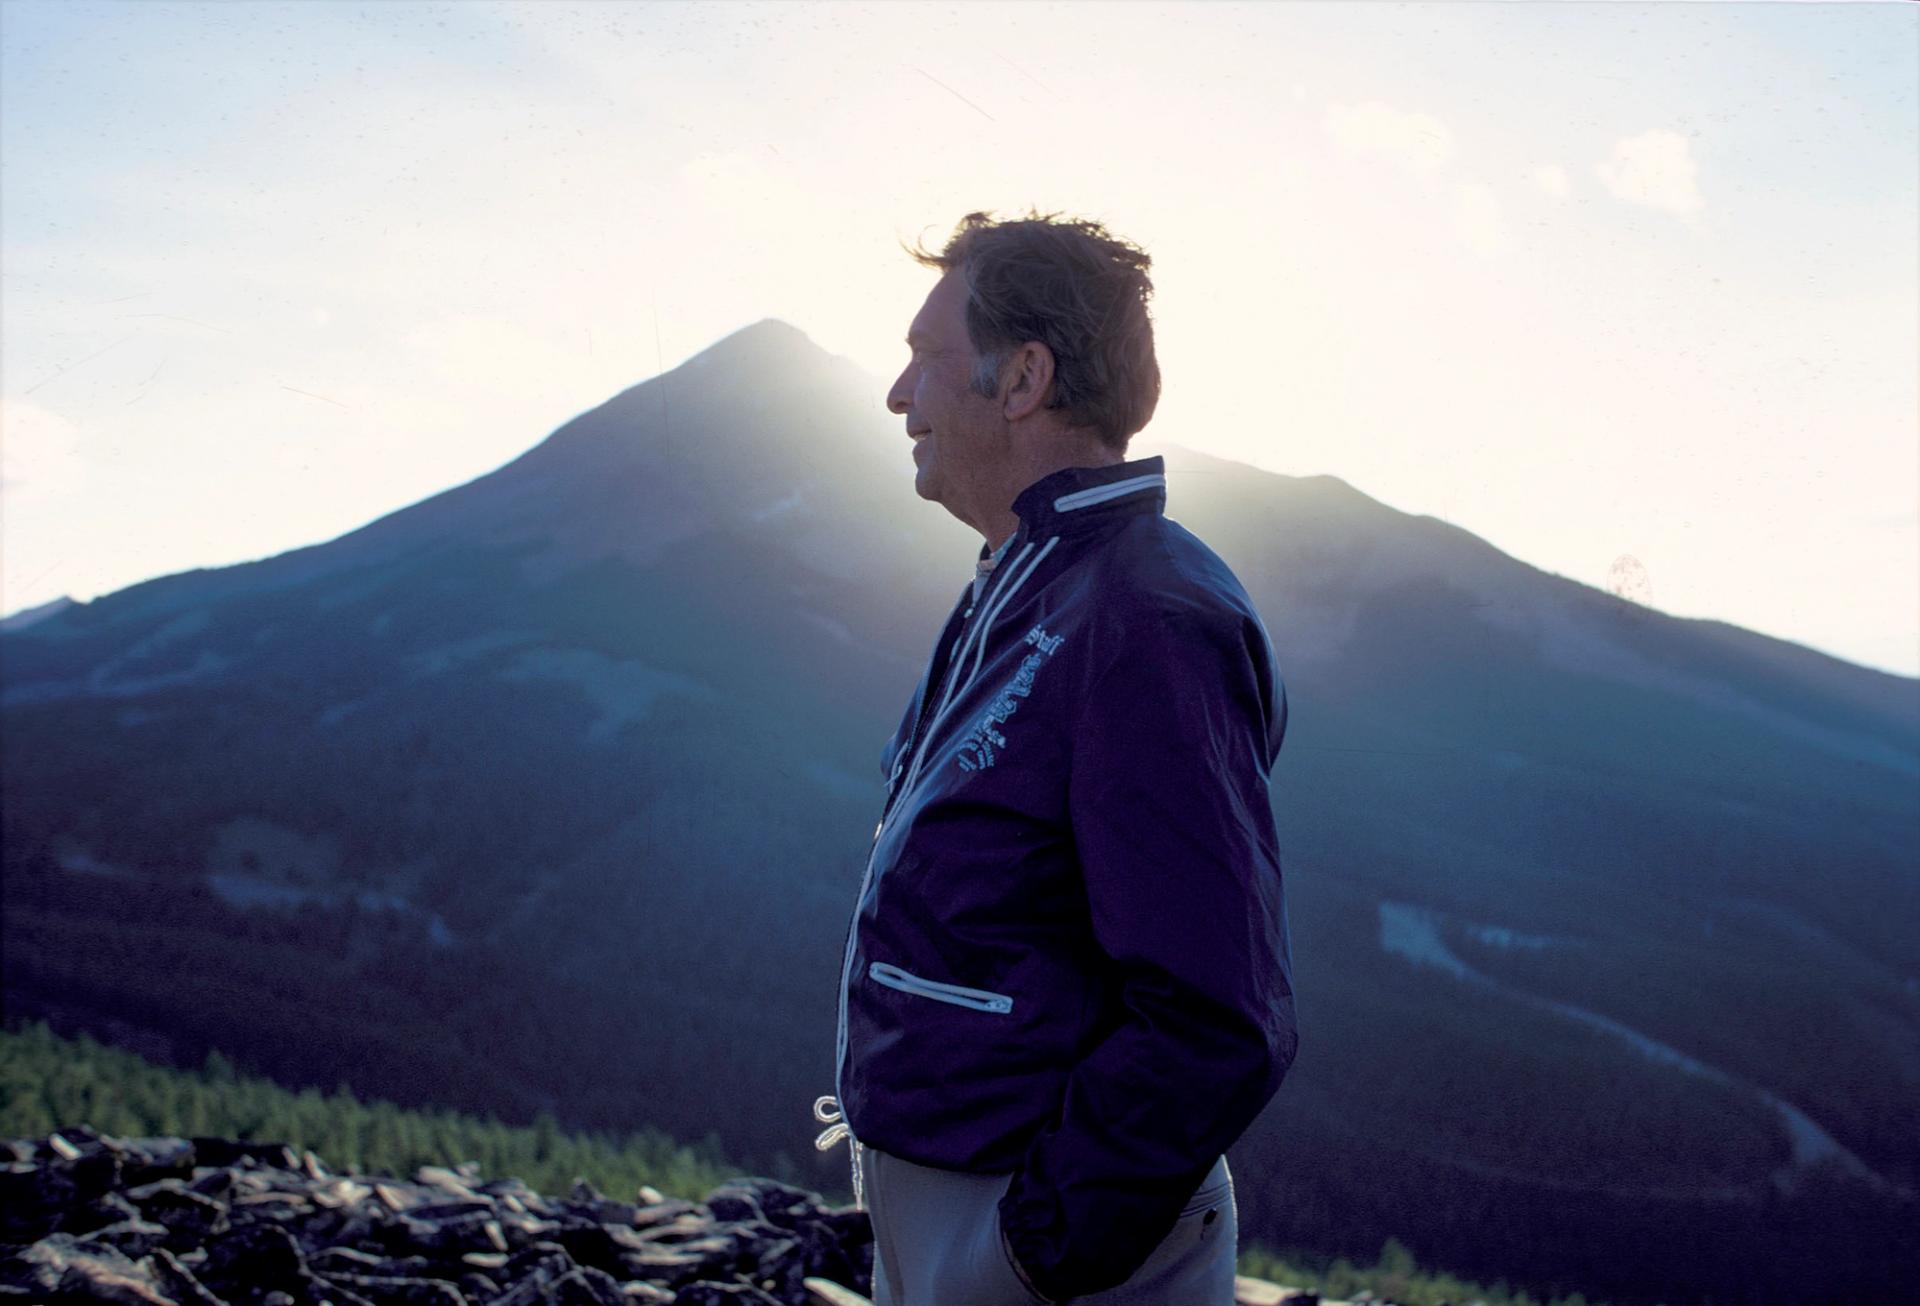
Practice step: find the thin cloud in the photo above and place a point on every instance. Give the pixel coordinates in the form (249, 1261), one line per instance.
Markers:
(1478, 217)
(40, 456)
(1553, 179)
(1419, 142)
(1656, 170)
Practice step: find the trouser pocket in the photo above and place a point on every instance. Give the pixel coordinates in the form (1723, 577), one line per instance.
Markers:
(1195, 1263)
(1213, 1190)
(936, 1237)
(937, 1243)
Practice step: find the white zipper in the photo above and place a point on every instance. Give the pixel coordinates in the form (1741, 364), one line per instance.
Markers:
(976, 638)
(1004, 591)
(961, 996)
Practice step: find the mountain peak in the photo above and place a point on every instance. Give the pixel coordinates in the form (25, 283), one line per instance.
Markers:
(771, 327)
(769, 338)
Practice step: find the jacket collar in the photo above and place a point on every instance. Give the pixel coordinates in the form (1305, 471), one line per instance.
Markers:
(1076, 498)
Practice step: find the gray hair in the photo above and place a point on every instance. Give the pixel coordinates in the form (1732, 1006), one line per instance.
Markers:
(1073, 286)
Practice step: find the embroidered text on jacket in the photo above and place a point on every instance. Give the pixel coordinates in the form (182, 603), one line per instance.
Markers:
(976, 751)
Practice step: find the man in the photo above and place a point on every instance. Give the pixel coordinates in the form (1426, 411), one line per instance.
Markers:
(1066, 988)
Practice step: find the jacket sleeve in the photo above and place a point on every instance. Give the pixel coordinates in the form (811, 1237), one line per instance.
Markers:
(1175, 739)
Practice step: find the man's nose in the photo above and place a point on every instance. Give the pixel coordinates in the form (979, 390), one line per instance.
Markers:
(900, 397)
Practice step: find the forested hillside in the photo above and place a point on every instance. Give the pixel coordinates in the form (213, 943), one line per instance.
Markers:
(48, 1083)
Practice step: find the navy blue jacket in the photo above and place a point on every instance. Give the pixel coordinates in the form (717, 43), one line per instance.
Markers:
(1070, 955)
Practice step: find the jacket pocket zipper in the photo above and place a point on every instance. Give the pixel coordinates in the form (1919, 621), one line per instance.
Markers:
(978, 999)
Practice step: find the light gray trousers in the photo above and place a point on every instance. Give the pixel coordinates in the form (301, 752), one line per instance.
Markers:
(936, 1236)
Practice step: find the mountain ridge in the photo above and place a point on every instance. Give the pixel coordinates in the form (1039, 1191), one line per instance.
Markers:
(581, 756)
(772, 340)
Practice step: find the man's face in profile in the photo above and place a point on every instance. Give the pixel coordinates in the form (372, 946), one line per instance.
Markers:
(960, 437)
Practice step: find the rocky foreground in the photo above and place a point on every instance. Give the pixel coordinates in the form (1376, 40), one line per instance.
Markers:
(205, 1221)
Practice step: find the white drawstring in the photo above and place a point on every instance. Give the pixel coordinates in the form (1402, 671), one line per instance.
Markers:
(828, 1109)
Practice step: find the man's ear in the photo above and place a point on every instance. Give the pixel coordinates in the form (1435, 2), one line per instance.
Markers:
(1031, 368)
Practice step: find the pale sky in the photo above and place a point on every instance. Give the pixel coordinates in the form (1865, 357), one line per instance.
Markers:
(1595, 281)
